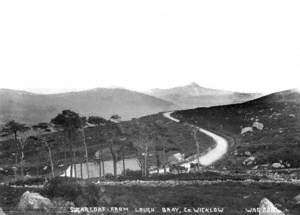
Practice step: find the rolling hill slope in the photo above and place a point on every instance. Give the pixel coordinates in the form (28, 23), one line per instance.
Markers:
(31, 108)
(266, 130)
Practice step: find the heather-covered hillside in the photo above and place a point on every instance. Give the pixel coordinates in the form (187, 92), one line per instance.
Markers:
(266, 130)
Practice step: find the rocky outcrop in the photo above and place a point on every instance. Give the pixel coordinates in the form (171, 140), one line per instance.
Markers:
(2, 212)
(34, 201)
(266, 207)
(257, 125)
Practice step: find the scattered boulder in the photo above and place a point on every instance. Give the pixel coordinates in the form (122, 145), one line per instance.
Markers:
(34, 201)
(27, 176)
(297, 199)
(178, 157)
(246, 130)
(249, 161)
(292, 115)
(287, 164)
(264, 166)
(258, 125)
(294, 175)
(266, 207)
(246, 197)
(247, 153)
(2, 212)
(277, 165)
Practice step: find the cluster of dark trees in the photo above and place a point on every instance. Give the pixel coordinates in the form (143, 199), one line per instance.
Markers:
(136, 136)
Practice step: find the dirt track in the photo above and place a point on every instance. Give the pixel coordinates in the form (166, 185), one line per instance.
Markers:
(211, 156)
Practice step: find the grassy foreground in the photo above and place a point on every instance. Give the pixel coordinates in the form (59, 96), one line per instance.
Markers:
(234, 197)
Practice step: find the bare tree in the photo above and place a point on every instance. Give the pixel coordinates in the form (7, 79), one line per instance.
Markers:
(99, 122)
(114, 134)
(143, 138)
(98, 156)
(69, 122)
(195, 131)
(82, 126)
(18, 131)
(41, 130)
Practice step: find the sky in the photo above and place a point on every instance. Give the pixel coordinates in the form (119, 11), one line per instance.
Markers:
(55, 46)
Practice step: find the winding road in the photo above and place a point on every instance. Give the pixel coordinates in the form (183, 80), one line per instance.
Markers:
(213, 155)
(205, 159)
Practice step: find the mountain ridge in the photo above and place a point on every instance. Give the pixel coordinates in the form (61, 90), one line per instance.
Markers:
(193, 95)
(32, 107)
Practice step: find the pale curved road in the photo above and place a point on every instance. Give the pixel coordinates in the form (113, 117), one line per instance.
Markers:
(211, 156)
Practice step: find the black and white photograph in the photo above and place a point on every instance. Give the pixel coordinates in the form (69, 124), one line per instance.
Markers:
(161, 107)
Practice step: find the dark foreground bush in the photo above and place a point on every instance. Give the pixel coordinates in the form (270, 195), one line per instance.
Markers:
(82, 193)
(233, 196)
(29, 181)
(63, 187)
(205, 175)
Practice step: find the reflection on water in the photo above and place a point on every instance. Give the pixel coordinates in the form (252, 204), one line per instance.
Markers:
(130, 163)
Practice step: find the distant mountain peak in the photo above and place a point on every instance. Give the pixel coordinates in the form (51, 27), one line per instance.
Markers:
(193, 95)
(192, 89)
(193, 84)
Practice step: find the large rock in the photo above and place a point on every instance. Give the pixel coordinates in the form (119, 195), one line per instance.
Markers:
(175, 158)
(34, 201)
(277, 165)
(297, 199)
(246, 130)
(249, 161)
(247, 153)
(266, 207)
(2, 212)
(258, 125)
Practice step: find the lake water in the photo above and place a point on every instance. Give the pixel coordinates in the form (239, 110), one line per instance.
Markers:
(130, 163)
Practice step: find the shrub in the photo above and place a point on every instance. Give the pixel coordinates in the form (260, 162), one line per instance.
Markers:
(68, 188)
(109, 176)
(132, 175)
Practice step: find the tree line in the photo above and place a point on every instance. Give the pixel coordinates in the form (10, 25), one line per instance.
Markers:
(136, 137)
